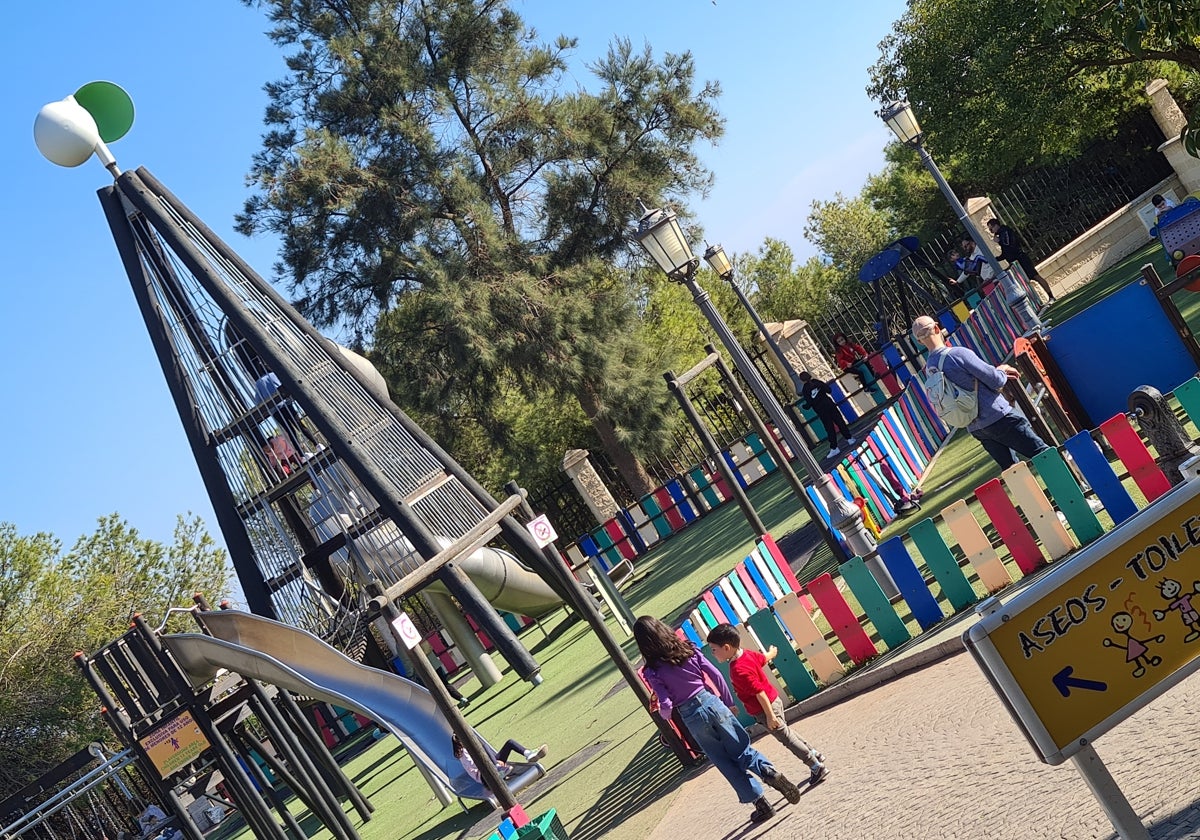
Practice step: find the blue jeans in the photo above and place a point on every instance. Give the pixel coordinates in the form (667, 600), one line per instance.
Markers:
(726, 744)
(1011, 432)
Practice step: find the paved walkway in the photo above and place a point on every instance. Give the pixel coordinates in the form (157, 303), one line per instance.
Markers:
(933, 754)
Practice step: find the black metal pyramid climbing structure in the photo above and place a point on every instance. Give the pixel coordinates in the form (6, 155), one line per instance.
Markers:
(317, 479)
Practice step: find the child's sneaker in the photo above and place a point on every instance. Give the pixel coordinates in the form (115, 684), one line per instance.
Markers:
(536, 755)
(816, 774)
(763, 810)
(834, 452)
(781, 783)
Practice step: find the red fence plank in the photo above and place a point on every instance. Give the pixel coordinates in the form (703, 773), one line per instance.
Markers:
(1000, 509)
(843, 620)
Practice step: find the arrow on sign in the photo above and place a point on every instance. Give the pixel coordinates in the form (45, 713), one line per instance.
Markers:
(1064, 682)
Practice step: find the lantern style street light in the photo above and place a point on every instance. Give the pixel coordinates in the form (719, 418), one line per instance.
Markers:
(661, 235)
(723, 267)
(900, 118)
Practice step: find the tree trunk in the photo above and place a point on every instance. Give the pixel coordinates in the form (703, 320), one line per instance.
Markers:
(626, 462)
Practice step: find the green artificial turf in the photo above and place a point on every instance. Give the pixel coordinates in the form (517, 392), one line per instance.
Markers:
(608, 776)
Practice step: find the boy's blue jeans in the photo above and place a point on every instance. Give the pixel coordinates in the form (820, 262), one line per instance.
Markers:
(726, 744)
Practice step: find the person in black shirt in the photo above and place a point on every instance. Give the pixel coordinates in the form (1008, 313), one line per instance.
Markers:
(815, 395)
(1012, 252)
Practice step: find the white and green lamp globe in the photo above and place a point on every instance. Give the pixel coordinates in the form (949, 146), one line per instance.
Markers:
(70, 131)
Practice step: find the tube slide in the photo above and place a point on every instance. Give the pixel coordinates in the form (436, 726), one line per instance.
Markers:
(261, 649)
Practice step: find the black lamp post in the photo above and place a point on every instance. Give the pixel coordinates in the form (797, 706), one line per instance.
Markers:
(660, 234)
(723, 266)
(900, 118)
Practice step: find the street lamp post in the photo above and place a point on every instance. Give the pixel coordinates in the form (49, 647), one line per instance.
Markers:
(723, 267)
(900, 118)
(660, 234)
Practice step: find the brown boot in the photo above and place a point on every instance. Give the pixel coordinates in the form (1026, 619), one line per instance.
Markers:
(762, 810)
(780, 782)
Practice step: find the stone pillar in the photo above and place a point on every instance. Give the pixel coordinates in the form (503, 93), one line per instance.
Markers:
(980, 210)
(1171, 120)
(583, 475)
(800, 347)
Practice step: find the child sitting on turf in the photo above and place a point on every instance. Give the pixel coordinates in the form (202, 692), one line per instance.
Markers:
(748, 675)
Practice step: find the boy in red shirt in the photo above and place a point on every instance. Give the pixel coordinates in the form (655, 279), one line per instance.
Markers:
(748, 675)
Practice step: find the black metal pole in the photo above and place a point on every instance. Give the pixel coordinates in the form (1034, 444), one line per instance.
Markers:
(140, 193)
(488, 773)
(585, 605)
(739, 495)
(764, 433)
(232, 527)
(310, 740)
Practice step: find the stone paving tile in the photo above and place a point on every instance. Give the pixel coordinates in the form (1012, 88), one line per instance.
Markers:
(935, 755)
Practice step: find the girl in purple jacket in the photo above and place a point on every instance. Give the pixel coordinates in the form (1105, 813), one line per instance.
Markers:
(680, 676)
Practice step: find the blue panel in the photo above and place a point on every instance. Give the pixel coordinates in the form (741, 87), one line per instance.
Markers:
(631, 531)
(723, 602)
(912, 586)
(689, 630)
(1103, 359)
(675, 488)
(733, 468)
(1098, 473)
(842, 401)
(757, 577)
(896, 363)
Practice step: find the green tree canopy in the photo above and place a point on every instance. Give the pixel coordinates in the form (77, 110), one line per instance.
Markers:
(1001, 84)
(430, 170)
(849, 231)
(54, 603)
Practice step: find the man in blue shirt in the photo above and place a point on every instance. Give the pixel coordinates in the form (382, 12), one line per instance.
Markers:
(998, 427)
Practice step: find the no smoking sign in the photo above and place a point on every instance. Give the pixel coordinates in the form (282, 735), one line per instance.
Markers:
(407, 631)
(542, 531)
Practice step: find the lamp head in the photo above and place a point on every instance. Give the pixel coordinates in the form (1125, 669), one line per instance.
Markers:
(659, 233)
(719, 262)
(902, 121)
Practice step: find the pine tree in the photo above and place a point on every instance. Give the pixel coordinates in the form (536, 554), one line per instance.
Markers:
(444, 195)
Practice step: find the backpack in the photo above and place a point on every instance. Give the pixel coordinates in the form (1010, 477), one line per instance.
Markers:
(954, 406)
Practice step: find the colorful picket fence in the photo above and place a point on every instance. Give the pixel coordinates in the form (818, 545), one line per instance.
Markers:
(885, 465)
(1038, 510)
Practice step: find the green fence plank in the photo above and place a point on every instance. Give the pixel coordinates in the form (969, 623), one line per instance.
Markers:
(705, 489)
(799, 681)
(650, 506)
(1188, 395)
(765, 459)
(874, 603)
(1060, 482)
(940, 561)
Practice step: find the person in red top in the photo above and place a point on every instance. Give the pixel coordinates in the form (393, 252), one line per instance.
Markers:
(747, 672)
(851, 357)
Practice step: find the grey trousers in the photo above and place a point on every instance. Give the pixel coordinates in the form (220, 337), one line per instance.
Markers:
(788, 737)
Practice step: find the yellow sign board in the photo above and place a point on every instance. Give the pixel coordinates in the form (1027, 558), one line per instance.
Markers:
(175, 744)
(1103, 632)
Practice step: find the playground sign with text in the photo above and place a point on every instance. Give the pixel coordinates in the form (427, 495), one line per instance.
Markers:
(1103, 632)
(175, 744)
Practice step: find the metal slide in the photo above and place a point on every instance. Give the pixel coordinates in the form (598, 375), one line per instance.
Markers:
(261, 649)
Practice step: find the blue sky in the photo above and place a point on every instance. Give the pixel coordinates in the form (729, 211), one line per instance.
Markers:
(88, 427)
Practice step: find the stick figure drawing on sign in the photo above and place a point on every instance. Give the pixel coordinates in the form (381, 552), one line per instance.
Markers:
(1172, 590)
(1135, 649)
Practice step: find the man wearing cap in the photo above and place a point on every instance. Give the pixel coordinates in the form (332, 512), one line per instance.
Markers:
(999, 428)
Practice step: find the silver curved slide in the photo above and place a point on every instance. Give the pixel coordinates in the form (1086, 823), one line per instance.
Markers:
(261, 649)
